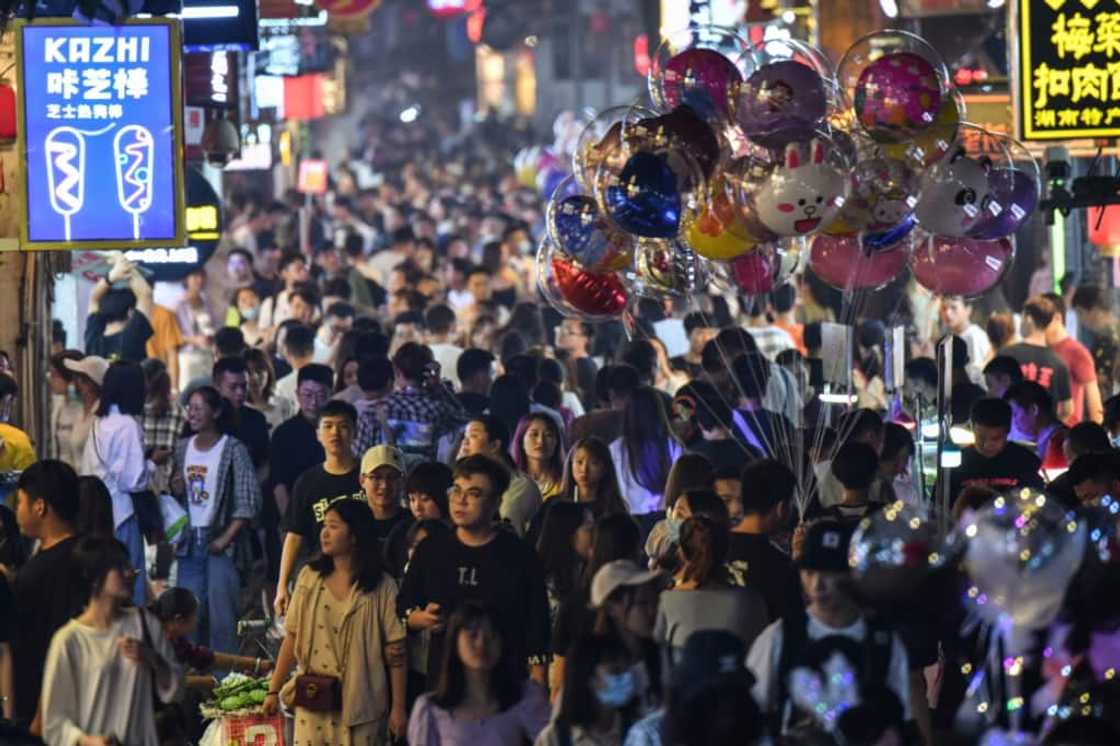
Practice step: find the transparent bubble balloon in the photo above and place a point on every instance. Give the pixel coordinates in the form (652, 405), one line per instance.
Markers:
(884, 193)
(575, 292)
(681, 129)
(719, 233)
(892, 551)
(895, 83)
(696, 67)
(601, 139)
(583, 235)
(653, 194)
(845, 263)
(961, 192)
(525, 166)
(800, 195)
(970, 267)
(665, 269)
(785, 96)
(566, 131)
(930, 145)
(767, 266)
(1021, 553)
(1016, 188)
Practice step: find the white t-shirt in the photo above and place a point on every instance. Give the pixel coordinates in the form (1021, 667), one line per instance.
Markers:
(447, 356)
(200, 472)
(766, 651)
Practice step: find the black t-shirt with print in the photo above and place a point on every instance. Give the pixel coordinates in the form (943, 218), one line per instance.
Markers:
(129, 344)
(1012, 468)
(1044, 367)
(754, 562)
(504, 574)
(313, 493)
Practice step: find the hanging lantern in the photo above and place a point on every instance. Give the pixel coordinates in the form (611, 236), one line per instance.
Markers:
(7, 114)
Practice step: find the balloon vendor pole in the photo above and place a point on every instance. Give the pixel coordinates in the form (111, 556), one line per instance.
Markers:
(944, 396)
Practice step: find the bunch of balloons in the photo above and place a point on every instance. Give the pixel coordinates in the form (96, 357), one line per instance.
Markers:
(752, 156)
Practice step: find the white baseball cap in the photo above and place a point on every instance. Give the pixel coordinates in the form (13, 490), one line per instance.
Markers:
(614, 575)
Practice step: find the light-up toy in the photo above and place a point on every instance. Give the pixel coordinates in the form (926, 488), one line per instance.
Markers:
(65, 148)
(133, 153)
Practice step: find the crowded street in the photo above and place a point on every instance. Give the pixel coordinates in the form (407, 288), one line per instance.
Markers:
(560, 372)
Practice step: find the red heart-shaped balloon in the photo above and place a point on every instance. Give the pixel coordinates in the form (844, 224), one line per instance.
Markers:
(846, 265)
(598, 295)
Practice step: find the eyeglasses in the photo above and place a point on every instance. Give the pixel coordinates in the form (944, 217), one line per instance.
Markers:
(472, 494)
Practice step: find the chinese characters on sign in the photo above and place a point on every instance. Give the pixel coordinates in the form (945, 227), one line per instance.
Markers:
(1069, 69)
(101, 134)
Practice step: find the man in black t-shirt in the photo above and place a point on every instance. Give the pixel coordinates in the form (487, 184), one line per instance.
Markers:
(994, 462)
(475, 369)
(382, 479)
(317, 488)
(1037, 361)
(45, 589)
(231, 378)
(753, 561)
(295, 445)
(479, 562)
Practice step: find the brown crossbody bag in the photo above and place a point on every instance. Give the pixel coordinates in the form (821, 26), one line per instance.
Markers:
(318, 692)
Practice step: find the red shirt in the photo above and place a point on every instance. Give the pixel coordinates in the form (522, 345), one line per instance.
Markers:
(1081, 372)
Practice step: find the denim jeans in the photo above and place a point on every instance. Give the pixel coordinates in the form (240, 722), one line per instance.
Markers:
(216, 582)
(128, 533)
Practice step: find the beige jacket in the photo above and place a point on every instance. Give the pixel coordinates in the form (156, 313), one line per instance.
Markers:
(369, 625)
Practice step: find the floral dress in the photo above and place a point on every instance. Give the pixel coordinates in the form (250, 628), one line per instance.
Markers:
(327, 652)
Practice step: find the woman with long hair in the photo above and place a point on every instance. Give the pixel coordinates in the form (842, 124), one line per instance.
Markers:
(589, 478)
(114, 453)
(601, 697)
(509, 401)
(95, 508)
(344, 631)
(702, 597)
(262, 388)
(613, 537)
(538, 450)
(213, 475)
(564, 548)
(690, 472)
(479, 700)
(105, 666)
(645, 452)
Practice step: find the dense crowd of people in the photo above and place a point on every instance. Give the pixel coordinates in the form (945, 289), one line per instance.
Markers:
(481, 522)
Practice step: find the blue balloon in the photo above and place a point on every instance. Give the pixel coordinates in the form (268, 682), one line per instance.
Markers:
(578, 226)
(888, 238)
(645, 200)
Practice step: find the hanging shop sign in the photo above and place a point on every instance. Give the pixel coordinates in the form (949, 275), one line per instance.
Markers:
(1068, 83)
(219, 24)
(312, 176)
(101, 135)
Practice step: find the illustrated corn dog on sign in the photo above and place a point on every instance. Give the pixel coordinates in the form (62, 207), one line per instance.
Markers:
(102, 136)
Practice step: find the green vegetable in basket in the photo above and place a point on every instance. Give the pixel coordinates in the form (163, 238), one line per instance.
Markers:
(258, 696)
(232, 702)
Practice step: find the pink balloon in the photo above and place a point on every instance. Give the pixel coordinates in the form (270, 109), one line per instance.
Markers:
(843, 263)
(961, 266)
(755, 271)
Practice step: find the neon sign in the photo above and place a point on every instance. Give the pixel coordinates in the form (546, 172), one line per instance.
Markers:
(100, 114)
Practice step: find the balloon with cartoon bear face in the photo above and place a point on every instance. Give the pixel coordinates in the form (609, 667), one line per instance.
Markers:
(956, 195)
(804, 193)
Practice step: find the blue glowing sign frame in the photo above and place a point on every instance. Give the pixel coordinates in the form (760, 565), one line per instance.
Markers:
(51, 197)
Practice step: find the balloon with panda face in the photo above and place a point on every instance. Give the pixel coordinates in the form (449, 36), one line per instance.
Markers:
(956, 195)
(802, 194)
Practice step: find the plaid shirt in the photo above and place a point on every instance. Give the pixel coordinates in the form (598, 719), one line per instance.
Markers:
(411, 419)
(238, 492)
(162, 431)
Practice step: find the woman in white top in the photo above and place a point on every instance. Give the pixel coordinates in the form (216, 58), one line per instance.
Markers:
(645, 452)
(213, 474)
(104, 665)
(114, 452)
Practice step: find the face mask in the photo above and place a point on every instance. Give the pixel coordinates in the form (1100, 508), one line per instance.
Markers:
(525, 247)
(249, 314)
(673, 529)
(616, 689)
(1115, 440)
